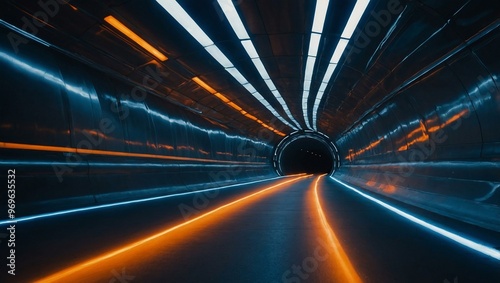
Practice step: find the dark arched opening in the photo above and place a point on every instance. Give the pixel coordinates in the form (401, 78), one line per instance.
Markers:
(305, 152)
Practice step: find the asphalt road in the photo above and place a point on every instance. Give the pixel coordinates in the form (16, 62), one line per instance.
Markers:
(262, 232)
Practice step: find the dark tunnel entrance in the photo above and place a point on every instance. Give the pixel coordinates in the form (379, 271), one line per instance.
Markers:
(306, 155)
(305, 152)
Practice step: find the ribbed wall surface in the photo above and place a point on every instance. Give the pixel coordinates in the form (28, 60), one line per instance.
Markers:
(436, 143)
(77, 136)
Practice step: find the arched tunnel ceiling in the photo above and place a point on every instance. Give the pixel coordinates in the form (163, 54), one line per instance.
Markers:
(396, 42)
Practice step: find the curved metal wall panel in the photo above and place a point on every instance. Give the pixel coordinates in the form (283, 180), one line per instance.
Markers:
(109, 132)
(447, 115)
(32, 71)
(78, 136)
(436, 143)
(480, 73)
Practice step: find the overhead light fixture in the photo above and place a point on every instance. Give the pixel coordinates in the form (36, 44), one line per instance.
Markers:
(221, 97)
(185, 20)
(229, 10)
(250, 49)
(234, 19)
(309, 68)
(314, 44)
(204, 85)
(356, 14)
(260, 68)
(339, 50)
(237, 75)
(329, 72)
(320, 15)
(250, 88)
(315, 38)
(272, 87)
(307, 86)
(219, 56)
(235, 106)
(134, 37)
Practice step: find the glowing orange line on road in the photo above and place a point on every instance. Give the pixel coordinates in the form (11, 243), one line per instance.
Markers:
(341, 257)
(86, 264)
(84, 151)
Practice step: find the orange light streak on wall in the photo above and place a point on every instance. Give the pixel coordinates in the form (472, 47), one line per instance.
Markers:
(422, 138)
(349, 274)
(203, 152)
(86, 266)
(85, 151)
(425, 137)
(452, 119)
(235, 106)
(353, 154)
(185, 147)
(167, 147)
(386, 188)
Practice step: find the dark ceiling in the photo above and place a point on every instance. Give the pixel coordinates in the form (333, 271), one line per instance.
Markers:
(395, 43)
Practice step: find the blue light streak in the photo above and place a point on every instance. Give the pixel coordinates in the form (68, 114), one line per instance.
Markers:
(491, 252)
(69, 211)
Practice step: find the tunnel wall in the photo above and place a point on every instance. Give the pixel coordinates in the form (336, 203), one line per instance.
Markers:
(76, 136)
(436, 143)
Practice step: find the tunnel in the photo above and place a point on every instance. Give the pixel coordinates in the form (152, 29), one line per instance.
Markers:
(250, 141)
(305, 152)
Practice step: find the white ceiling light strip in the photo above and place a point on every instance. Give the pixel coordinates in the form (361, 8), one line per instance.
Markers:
(352, 23)
(234, 19)
(185, 20)
(317, 29)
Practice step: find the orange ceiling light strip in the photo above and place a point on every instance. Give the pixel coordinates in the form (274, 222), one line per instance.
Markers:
(89, 263)
(348, 271)
(83, 151)
(235, 106)
(250, 116)
(137, 39)
(221, 97)
(204, 85)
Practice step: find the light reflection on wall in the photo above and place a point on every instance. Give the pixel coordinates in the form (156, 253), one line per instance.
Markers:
(24, 65)
(419, 135)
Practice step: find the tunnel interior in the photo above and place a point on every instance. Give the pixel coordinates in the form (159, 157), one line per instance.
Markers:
(113, 102)
(306, 155)
(305, 152)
